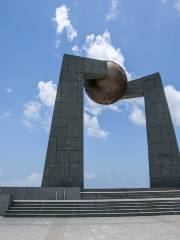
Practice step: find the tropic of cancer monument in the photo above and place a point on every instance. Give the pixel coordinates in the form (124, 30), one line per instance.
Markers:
(106, 82)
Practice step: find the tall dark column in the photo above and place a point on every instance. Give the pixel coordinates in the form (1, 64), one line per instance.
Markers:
(64, 159)
(163, 150)
(164, 158)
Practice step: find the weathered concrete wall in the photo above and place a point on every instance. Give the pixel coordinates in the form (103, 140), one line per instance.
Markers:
(38, 193)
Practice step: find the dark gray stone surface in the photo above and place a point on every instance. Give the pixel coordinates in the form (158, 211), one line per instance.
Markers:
(41, 193)
(163, 150)
(64, 159)
(5, 201)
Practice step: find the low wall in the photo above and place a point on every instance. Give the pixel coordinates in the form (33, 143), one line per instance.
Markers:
(42, 193)
(5, 201)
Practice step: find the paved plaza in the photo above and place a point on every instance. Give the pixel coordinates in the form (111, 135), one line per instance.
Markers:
(133, 228)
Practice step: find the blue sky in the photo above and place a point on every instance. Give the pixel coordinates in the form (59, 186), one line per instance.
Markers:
(142, 36)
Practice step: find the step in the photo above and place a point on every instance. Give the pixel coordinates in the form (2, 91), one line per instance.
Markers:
(177, 205)
(94, 210)
(130, 190)
(93, 200)
(120, 195)
(71, 215)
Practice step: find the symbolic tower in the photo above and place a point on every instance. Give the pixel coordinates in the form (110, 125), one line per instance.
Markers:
(105, 83)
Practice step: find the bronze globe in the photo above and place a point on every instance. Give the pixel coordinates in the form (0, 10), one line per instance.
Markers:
(109, 89)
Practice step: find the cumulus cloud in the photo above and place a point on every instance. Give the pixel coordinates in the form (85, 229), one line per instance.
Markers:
(113, 10)
(137, 115)
(97, 109)
(173, 98)
(47, 93)
(100, 47)
(38, 112)
(135, 107)
(32, 110)
(63, 23)
(92, 112)
(91, 123)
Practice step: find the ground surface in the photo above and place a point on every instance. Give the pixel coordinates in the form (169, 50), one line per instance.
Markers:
(134, 228)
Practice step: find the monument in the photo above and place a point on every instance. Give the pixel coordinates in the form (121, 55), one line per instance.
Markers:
(106, 82)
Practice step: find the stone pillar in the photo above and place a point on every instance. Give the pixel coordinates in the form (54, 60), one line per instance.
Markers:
(64, 159)
(164, 158)
(163, 151)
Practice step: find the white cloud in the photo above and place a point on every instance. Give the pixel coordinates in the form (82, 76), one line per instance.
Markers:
(64, 23)
(135, 107)
(173, 98)
(90, 176)
(76, 49)
(5, 115)
(32, 110)
(100, 47)
(47, 92)
(9, 90)
(38, 112)
(113, 10)
(92, 112)
(177, 5)
(97, 109)
(137, 115)
(91, 123)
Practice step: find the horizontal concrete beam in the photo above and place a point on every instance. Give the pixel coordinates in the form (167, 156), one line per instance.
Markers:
(135, 87)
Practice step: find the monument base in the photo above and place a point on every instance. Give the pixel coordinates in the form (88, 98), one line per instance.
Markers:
(92, 202)
(42, 193)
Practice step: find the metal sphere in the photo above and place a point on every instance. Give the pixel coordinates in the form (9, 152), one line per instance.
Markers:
(109, 89)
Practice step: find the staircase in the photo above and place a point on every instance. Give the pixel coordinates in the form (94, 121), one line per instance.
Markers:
(102, 203)
(129, 193)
